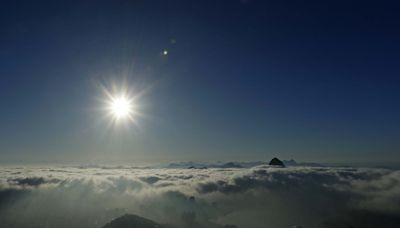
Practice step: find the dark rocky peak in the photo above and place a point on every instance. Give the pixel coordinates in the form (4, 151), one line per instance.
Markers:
(276, 162)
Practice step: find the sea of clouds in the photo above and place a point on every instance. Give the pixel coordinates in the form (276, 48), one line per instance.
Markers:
(260, 196)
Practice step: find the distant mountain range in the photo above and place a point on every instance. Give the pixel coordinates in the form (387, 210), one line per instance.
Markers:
(199, 165)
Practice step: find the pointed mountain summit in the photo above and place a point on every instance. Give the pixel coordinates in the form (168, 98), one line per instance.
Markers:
(276, 162)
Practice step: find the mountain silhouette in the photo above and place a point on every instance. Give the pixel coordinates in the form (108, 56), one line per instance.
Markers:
(134, 221)
(276, 162)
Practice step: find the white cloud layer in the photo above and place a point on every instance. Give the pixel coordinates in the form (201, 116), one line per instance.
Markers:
(250, 197)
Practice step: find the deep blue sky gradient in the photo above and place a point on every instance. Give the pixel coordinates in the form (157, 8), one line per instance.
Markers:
(245, 80)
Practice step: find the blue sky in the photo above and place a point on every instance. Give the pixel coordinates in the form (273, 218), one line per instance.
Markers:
(243, 80)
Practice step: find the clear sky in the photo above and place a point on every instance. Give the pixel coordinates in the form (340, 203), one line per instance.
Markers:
(242, 80)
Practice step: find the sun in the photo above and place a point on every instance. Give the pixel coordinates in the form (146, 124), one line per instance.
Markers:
(121, 107)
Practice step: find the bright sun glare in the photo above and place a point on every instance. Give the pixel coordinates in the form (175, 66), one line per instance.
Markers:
(120, 104)
(121, 107)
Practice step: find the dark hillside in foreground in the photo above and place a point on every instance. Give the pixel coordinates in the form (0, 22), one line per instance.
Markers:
(133, 221)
